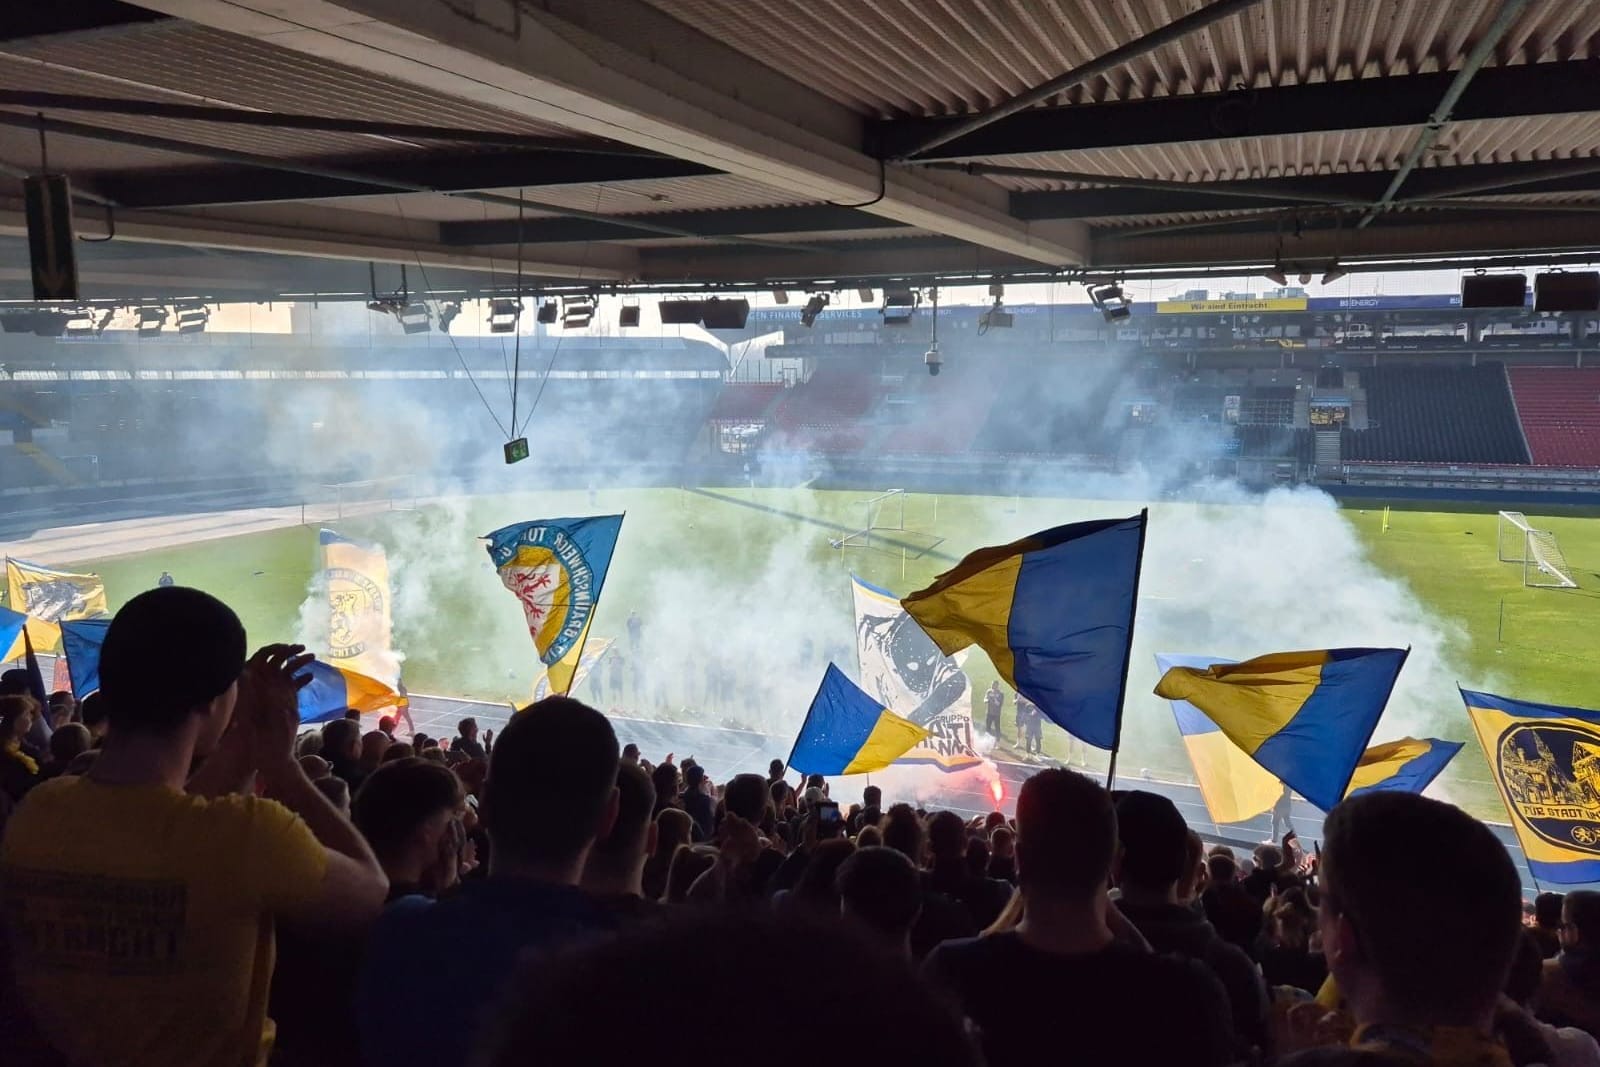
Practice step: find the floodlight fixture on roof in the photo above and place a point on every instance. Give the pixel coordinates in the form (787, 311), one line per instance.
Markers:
(813, 308)
(577, 311)
(1110, 301)
(503, 315)
(899, 305)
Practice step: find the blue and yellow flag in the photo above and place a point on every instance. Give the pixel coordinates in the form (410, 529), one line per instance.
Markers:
(1055, 614)
(12, 623)
(556, 568)
(1234, 787)
(1408, 765)
(334, 690)
(80, 643)
(360, 617)
(1546, 760)
(593, 652)
(1304, 716)
(50, 597)
(847, 732)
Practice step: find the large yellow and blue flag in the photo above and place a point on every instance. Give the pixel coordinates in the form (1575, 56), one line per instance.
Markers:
(333, 690)
(1304, 716)
(556, 568)
(848, 732)
(1055, 614)
(1235, 787)
(1546, 760)
(1408, 765)
(360, 616)
(80, 644)
(594, 650)
(12, 624)
(49, 597)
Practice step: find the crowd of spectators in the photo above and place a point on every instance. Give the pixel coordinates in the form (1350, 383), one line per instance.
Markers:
(190, 878)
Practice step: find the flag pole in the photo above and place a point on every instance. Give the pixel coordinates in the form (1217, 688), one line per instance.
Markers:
(1127, 659)
(583, 639)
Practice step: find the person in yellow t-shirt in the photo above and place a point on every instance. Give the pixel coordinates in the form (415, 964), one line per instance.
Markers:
(140, 900)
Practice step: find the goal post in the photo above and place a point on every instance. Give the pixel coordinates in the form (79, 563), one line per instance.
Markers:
(886, 511)
(1544, 565)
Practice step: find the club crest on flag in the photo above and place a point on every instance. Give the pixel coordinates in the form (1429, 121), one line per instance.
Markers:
(555, 569)
(355, 611)
(1552, 778)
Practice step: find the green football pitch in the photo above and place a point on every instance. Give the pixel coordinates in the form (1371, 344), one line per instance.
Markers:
(746, 577)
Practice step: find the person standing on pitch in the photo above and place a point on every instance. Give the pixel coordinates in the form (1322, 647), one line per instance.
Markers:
(993, 703)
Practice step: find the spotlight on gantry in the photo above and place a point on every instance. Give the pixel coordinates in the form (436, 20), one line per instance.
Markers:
(813, 308)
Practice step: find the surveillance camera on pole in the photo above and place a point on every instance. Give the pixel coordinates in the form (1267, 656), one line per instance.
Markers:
(932, 360)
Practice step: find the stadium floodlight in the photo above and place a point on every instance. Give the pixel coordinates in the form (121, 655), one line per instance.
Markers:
(1334, 274)
(899, 305)
(192, 318)
(813, 308)
(718, 314)
(997, 317)
(503, 315)
(864, 294)
(577, 312)
(447, 315)
(415, 318)
(151, 320)
(1110, 301)
(549, 311)
(628, 315)
(86, 320)
(1305, 277)
(780, 296)
(1276, 276)
(680, 312)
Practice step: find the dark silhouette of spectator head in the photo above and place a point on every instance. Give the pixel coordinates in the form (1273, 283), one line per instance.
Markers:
(68, 741)
(993, 821)
(816, 888)
(1066, 836)
(693, 776)
(816, 781)
(337, 790)
(903, 831)
(1223, 868)
(1580, 920)
(14, 682)
(315, 767)
(398, 751)
(746, 796)
(688, 864)
(92, 711)
(674, 827)
(145, 692)
(1154, 840)
(775, 770)
(1268, 858)
(782, 794)
(1547, 910)
(1418, 944)
(554, 1012)
(1527, 969)
(468, 728)
(341, 740)
(665, 779)
(947, 837)
(630, 753)
(404, 809)
(552, 788)
(617, 860)
(870, 837)
(872, 797)
(387, 724)
(880, 888)
(17, 712)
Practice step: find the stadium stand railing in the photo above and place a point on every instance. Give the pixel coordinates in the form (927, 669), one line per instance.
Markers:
(1560, 412)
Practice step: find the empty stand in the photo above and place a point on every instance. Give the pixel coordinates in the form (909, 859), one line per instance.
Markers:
(1560, 412)
(1437, 415)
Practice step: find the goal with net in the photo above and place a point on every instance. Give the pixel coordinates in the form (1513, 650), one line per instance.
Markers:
(886, 511)
(1543, 564)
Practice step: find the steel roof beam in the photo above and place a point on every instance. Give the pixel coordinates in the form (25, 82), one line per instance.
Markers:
(1560, 176)
(1321, 107)
(728, 222)
(639, 77)
(204, 186)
